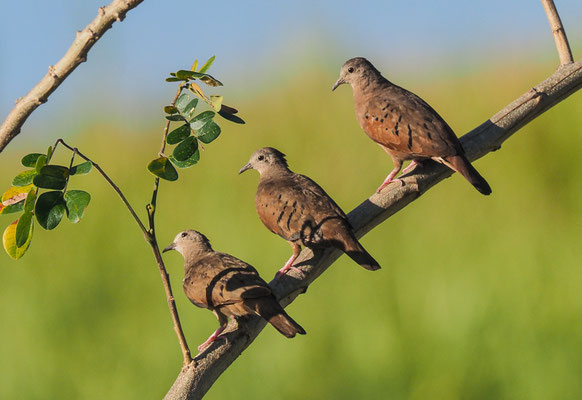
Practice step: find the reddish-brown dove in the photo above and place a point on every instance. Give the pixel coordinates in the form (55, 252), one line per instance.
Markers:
(227, 286)
(300, 211)
(403, 124)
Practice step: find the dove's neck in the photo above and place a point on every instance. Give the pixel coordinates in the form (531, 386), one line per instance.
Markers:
(275, 170)
(193, 255)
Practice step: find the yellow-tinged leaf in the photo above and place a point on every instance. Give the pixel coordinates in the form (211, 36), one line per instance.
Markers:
(196, 89)
(216, 102)
(9, 241)
(194, 65)
(15, 191)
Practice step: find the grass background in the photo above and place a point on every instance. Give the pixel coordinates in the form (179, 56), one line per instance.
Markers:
(479, 297)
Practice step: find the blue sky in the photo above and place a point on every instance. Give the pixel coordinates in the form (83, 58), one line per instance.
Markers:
(256, 41)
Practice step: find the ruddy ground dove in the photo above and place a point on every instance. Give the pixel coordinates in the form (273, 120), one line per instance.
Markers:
(227, 286)
(403, 124)
(300, 211)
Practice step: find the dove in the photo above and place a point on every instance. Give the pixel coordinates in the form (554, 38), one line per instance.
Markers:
(403, 124)
(300, 211)
(227, 286)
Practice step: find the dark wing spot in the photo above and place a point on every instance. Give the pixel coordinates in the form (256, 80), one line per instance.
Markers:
(409, 138)
(386, 115)
(400, 118)
(428, 134)
(382, 120)
(280, 216)
(279, 197)
(396, 129)
(290, 215)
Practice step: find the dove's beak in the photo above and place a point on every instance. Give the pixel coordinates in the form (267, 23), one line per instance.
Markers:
(340, 81)
(170, 247)
(243, 169)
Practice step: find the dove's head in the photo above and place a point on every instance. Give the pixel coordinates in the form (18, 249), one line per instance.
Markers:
(358, 72)
(265, 160)
(189, 243)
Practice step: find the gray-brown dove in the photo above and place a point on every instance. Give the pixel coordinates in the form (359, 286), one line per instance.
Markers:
(300, 211)
(403, 124)
(227, 286)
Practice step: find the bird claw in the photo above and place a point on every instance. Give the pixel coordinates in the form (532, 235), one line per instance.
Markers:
(208, 342)
(386, 183)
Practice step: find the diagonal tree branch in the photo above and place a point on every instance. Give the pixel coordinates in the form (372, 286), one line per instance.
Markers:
(56, 74)
(558, 32)
(196, 378)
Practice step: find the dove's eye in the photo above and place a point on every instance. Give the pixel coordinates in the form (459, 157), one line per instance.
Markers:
(260, 158)
(351, 69)
(184, 234)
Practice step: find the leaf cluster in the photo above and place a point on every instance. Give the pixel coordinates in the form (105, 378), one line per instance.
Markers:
(49, 207)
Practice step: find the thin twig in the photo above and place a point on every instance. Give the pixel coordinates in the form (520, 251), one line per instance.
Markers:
(194, 381)
(111, 183)
(559, 33)
(76, 54)
(151, 209)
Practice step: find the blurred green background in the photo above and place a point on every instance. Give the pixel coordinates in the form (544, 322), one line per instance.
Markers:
(478, 297)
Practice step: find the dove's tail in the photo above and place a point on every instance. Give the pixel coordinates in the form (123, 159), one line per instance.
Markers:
(271, 310)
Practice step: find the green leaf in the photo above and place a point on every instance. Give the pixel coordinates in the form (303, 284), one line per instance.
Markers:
(12, 208)
(208, 132)
(210, 81)
(23, 228)
(186, 104)
(50, 208)
(178, 134)
(82, 169)
(24, 178)
(76, 201)
(201, 119)
(175, 117)
(185, 74)
(194, 65)
(41, 162)
(207, 64)
(30, 200)
(189, 162)
(172, 79)
(49, 152)
(52, 177)
(9, 241)
(182, 100)
(186, 149)
(229, 109)
(163, 168)
(230, 117)
(216, 102)
(170, 110)
(29, 160)
(56, 171)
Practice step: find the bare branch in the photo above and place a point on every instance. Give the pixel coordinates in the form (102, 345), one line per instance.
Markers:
(559, 33)
(196, 378)
(56, 74)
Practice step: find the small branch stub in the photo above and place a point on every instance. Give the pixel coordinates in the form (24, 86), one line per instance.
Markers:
(559, 33)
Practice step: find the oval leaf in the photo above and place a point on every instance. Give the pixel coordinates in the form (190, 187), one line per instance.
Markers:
(189, 162)
(201, 119)
(207, 65)
(41, 162)
(208, 132)
(24, 178)
(210, 81)
(163, 168)
(23, 228)
(172, 79)
(175, 117)
(49, 182)
(50, 208)
(231, 117)
(186, 149)
(15, 194)
(57, 171)
(76, 201)
(30, 200)
(178, 134)
(82, 169)
(12, 208)
(170, 110)
(182, 100)
(216, 102)
(9, 241)
(29, 160)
